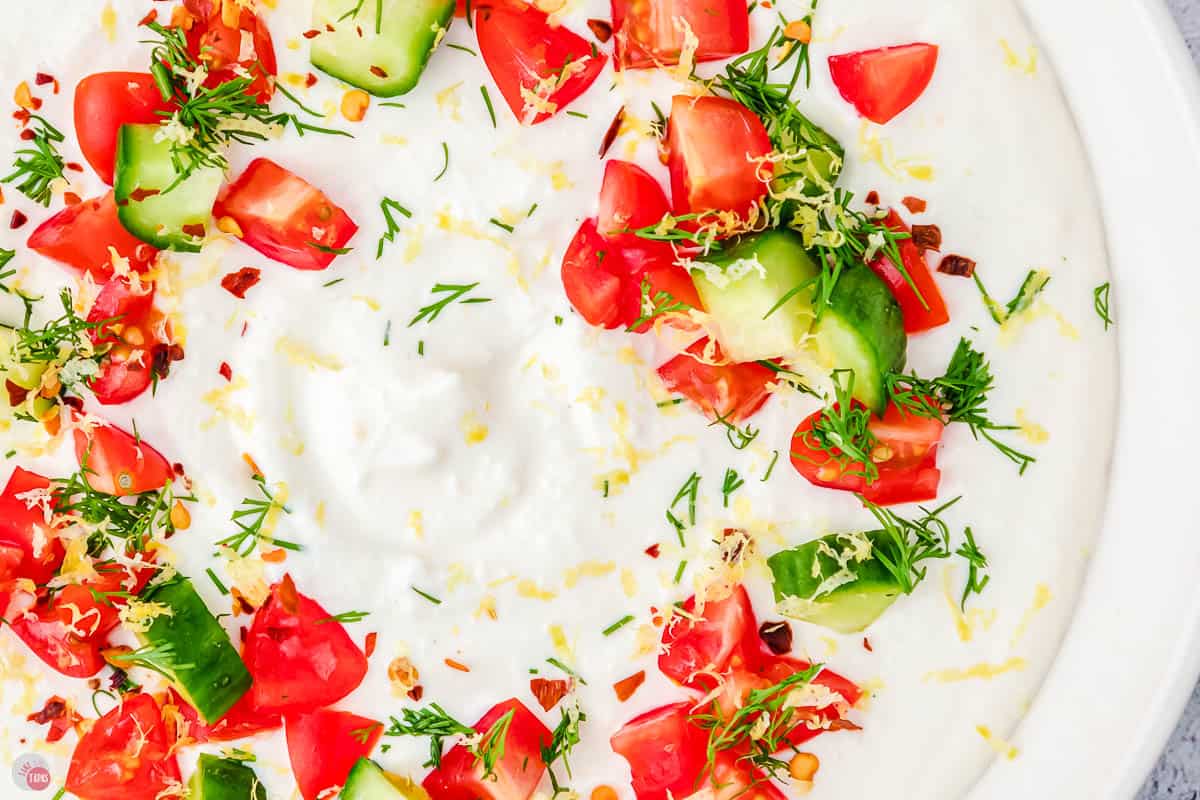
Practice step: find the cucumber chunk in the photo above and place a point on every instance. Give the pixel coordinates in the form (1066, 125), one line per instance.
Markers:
(368, 781)
(837, 581)
(742, 285)
(169, 220)
(207, 670)
(218, 778)
(26, 376)
(380, 46)
(862, 329)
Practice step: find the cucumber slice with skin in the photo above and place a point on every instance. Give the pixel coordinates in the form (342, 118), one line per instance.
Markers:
(26, 376)
(210, 674)
(740, 288)
(383, 48)
(218, 778)
(174, 220)
(368, 781)
(837, 581)
(862, 329)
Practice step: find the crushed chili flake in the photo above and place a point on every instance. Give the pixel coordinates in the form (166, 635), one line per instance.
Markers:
(289, 598)
(610, 135)
(198, 230)
(654, 550)
(275, 556)
(627, 686)
(416, 693)
(59, 714)
(240, 604)
(601, 29)
(310, 80)
(72, 199)
(867, 645)
(41, 78)
(252, 464)
(872, 198)
(378, 72)
(842, 725)
(242, 281)
(27, 135)
(914, 204)
(139, 194)
(458, 665)
(777, 636)
(18, 220)
(549, 692)
(961, 266)
(16, 394)
(150, 17)
(226, 371)
(74, 166)
(311, 34)
(369, 644)
(54, 708)
(927, 237)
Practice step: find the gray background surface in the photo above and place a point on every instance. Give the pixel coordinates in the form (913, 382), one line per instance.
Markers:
(1177, 776)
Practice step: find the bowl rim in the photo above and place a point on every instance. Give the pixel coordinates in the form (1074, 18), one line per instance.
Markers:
(1130, 660)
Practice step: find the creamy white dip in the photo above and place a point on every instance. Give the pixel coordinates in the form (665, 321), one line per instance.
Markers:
(475, 471)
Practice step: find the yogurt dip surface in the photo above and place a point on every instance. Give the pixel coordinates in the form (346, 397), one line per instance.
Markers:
(515, 463)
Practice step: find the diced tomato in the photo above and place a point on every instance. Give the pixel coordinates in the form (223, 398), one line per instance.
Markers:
(733, 392)
(232, 52)
(118, 464)
(882, 83)
(630, 198)
(595, 278)
(460, 776)
(106, 101)
(539, 68)
(80, 236)
(716, 149)
(923, 312)
(68, 630)
(324, 744)
(674, 280)
(33, 550)
(240, 721)
(284, 217)
(909, 475)
(650, 33)
(126, 754)
(725, 636)
(128, 368)
(300, 659)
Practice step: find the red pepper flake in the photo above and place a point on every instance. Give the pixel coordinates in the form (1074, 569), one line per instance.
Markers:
(178, 468)
(777, 636)
(140, 194)
(610, 135)
(627, 686)
(226, 371)
(240, 282)
(73, 402)
(915, 205)
(378, 72)
(198, 230)
(601, 29)
(310, 81)
(27, 135)
(59, 714)
(72, 199)
(311, 34)
(458, 665)
(960, 266)
(245, 327)
(18, 220)
(416, 693)
(250, 462)
(369, 644)
(16, 394)
(654, 550)
(276, 556)
(867, 645)
(22, 116)
(872, 198)
(74, 166)
(927, 237)
(549, 692)
(150, 17)
(289, 598)
(41, 78)
(241, 605)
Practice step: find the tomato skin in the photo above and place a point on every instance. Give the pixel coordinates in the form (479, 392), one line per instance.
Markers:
(240, 721)
(734, 392)
(323, 746)
(128, 368)
(517, 774)
(521, 48)
(715, 149)
(725, 636)
(219, 48)
(909, 476)
(119, 464)
(279, 214)
(21, 527)
(103, 103)
(594, 277)
(74, 652)
(105, 765)
(630, 198)
(80, 236)
(666, 753)
(646, 34)
(917, 317)
(299, 665)
(882, 83)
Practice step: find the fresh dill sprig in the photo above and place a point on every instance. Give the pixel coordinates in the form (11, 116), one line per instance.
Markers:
(387, 205)
(65, 340)
(452, 292)
(563, 740)
(689, 491)
(363, 734)
(554, 662)
(1100, 299)
(38, 166)
(433, 722)
(656, 305)
(135, 519)
(1035, 281)
(730, 484)
(960, 395)
(906, 543)
(487, 101)
(427, 596)
(770, 467)
(160, 658)
(738, 438)
(445, 162)
(616, 626)
(252, 518)
(345, 618)
(976, 563)
(490, 750)
(842, 430)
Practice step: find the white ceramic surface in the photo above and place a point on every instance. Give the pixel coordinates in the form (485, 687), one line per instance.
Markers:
(1132, 656)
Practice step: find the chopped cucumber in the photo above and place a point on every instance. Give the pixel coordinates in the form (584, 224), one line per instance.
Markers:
(742, 288)
(224, 779)
(22, 374)
(837, 581)
(203, 664)
(368, 781)
(381, 46)
(169, 220)
(862, 329)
